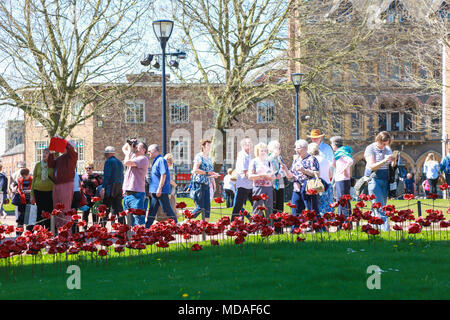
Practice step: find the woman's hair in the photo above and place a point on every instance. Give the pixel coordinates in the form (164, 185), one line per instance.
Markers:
(24, 172)
(203, 143)
(1, 167)
(337, 141)
(229, 171)
(169, 157)
(90, 164)
(258, 147)
(301, 143)
(430, 157)
(383, 136)
(273, 145)
(313, 149)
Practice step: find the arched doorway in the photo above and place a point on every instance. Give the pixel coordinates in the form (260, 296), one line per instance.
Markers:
(419, 164)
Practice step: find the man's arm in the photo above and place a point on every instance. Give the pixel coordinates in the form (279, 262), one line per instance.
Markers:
(127, 152)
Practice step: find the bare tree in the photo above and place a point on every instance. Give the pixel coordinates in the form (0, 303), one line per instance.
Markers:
(351, 48)
(55, 53)
(231, 42)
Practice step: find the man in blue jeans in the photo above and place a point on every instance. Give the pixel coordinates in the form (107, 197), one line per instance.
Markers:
(133, 187)
(159, 187)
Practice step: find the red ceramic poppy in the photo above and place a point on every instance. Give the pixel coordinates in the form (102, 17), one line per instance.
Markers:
(414, 228)
(291, 205)
(219, 200)
(196, 247)
(364, 197)
(408, 196)
(181, 205)
(432, 196)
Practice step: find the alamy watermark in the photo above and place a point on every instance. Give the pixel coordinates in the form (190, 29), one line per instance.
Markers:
(374, 281)
(74, 280)
(232, 136)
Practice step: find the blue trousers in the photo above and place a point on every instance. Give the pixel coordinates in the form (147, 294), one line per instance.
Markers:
(204, 202)
(379, 188)
(135, 201)
(343, 187)
(162, 201)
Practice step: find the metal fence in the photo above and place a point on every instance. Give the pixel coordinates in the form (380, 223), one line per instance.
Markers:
(183, 175)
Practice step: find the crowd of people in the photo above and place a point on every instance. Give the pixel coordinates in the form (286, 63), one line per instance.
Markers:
(143, 182)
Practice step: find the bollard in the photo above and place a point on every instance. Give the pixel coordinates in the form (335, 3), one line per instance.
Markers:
(203, 219)
(52, 225)
(130, 224)
(419, 208)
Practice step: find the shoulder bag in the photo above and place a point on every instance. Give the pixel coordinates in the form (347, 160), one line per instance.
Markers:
(315, 184)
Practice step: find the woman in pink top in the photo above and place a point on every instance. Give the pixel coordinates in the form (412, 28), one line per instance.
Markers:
(343, 162)
(262, 174)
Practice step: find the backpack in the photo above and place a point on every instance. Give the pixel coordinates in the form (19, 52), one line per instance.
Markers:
(3, 183)
(362, 183)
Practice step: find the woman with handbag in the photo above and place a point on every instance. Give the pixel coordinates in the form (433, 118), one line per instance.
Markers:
(262, 174)
(42, 189)
(202, 173)
(304, 168)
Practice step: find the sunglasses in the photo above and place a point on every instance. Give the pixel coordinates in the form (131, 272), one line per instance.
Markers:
(88, 168)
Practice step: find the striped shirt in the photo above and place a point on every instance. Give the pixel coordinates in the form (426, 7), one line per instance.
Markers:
(377, 155)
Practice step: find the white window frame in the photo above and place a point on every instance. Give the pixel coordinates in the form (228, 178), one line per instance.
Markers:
(176, 153)
(45, 143)
(80, 150)
(265, 104)
(178, 114)
(229, 158)
(134, 103)
(74, 112)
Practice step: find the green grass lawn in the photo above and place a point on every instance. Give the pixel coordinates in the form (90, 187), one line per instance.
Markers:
(284, 269)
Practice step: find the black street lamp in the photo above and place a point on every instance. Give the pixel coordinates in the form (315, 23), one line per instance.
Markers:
(163, 31)
(296, 79)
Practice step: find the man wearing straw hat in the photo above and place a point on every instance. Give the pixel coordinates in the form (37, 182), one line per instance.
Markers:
(316, 137)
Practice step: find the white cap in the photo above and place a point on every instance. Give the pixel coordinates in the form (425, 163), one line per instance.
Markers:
(110, 149)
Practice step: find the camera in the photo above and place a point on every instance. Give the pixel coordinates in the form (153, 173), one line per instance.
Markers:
(132, 142)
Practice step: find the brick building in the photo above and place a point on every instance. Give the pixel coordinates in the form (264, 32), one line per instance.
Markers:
(139, 116)
(11, 158)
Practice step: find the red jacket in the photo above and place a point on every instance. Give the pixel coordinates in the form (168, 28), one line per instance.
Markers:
(23, 198)
(64, 165)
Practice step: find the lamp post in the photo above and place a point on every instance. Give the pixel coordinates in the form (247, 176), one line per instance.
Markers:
(296, 79)
(163, 30)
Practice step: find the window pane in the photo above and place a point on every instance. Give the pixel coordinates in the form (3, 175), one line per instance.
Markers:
(395, 121)
(266, 111)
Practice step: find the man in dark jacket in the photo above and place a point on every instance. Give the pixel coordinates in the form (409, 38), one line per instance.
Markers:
(111, 191)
